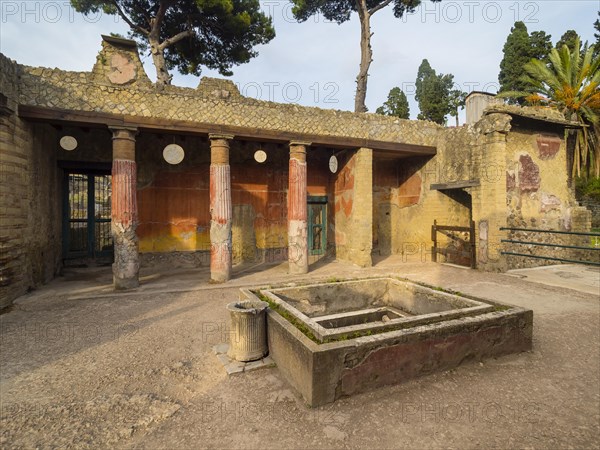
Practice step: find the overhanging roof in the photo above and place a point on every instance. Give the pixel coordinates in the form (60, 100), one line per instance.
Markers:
(540, 115)
(92, 118)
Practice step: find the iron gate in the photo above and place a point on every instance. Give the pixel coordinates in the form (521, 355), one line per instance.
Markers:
(317, 225)
(87, 216)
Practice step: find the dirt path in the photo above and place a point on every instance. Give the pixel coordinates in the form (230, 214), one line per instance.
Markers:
(137, 371)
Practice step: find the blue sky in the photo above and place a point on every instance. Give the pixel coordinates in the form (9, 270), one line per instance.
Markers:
(315, 63)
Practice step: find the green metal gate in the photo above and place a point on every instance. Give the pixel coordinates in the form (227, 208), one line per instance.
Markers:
(86, 216)
(317, 225)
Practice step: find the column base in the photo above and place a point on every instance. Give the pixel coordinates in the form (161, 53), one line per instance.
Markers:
(296, 270)
(220, 256)
(361, 258)
(121, 284)
(298, 247)
(219, 279)
(126, 268)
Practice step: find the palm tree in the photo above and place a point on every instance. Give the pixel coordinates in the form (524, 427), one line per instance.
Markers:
(570, 83)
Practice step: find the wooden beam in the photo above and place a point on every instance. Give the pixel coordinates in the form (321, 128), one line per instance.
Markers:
(64, 116)
(100, 119)
(454, 185)
(391, 154)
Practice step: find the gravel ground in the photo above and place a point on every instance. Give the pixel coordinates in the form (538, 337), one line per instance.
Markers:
(82, 367)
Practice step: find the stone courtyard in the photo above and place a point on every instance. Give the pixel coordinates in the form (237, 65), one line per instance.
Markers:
(84, 366)
(193, 194)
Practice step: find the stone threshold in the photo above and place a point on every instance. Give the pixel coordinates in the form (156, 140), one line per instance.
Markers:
(234, 367)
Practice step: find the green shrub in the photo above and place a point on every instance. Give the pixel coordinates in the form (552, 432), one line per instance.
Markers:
(588, 187)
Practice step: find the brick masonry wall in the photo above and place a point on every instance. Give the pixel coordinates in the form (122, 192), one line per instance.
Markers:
(489, 200)
(355, 213)
(15, 147)
(592, 204)
(353, 207)
(405, 207)
(29, 200)
(343, 192)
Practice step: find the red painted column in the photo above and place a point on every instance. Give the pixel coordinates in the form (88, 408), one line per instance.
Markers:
(220, 209)
(124, 222)
(297, 209)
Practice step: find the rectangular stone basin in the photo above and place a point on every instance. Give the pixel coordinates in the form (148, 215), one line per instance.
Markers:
(345, 309)
(336, 339)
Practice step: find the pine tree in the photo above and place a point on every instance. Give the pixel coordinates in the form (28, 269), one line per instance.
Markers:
(433, 93)
(341, 11)
(569, 39)
(517, 53)
(396, 104)
(189, 34)
(597, 36)
(457, 100)
(541, 44)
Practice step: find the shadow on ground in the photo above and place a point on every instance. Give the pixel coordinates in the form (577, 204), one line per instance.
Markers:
(82, 366)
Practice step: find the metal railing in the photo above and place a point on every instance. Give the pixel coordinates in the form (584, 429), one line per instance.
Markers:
(596, 248)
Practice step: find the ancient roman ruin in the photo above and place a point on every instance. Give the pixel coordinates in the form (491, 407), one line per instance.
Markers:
(206, 177)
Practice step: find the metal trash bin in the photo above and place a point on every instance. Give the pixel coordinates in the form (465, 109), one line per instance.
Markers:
(248, 334)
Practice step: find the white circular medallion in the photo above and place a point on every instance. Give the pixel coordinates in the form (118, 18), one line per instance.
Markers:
(333, 164)
(260, 156)
(173, 154)
(68, 143)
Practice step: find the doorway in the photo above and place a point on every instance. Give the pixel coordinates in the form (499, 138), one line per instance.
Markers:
(87, 238)
(317, 225)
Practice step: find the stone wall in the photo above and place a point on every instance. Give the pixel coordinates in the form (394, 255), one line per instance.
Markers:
(173, 226)
(379, 200)
(214, 102)
(30, 230)
(354, 208)
(405, 206)
(489, 198)
(520, 169)
(538, 194)
(539, 197)
(173, 201)
(580, 221)
(593, 205)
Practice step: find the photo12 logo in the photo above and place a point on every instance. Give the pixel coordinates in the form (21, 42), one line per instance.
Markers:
(291, 92)
(469, 412)
(472, 12)
(410, 87)
(66, 333)
(43, 11)
(46, 12)
(443, 11)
